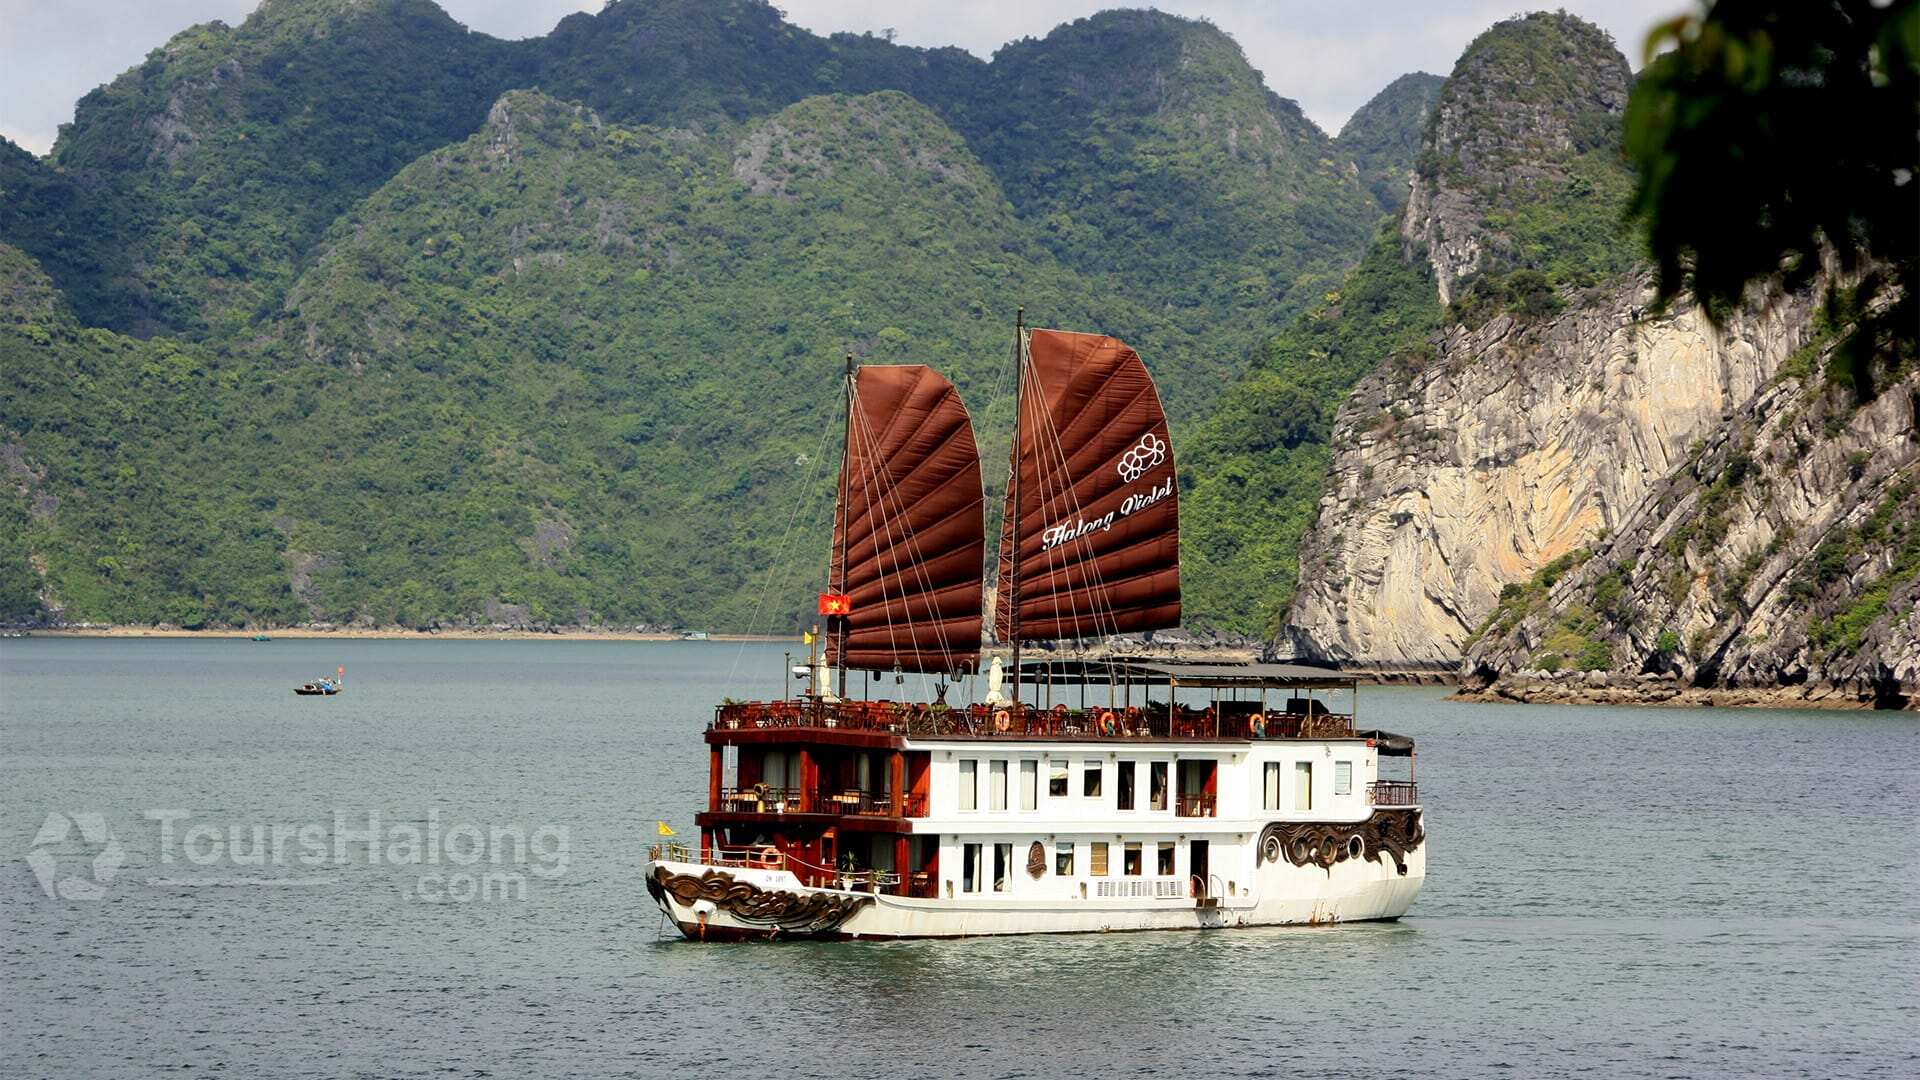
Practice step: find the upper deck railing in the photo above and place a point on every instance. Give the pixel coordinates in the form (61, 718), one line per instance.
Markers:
(1026, 721)
(1393, 793)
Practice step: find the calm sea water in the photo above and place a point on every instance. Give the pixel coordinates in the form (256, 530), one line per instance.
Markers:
(1612, 892)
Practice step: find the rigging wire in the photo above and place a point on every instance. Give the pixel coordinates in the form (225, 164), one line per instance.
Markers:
(806, 495)
(886, 518)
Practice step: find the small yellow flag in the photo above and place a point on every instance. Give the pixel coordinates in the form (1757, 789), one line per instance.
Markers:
(664, 829)
(806, 638)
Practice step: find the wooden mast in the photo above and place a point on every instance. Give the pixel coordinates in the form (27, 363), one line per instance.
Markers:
(1013, 505)
(840, 586)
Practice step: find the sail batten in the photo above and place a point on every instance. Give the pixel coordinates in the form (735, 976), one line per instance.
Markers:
(1098, 516)
(909, 538)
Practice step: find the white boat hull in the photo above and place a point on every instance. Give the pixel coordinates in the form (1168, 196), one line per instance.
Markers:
(713, 903)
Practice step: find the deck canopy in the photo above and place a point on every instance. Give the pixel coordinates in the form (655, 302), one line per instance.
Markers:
(1216, 676)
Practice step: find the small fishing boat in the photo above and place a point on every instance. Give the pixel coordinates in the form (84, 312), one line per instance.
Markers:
(261, 637)
(324, 686)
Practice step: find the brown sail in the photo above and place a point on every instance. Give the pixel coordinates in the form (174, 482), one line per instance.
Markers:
(1098, 516)
(909, 538)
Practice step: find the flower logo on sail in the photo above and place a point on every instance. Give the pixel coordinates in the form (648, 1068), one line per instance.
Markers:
(1151, 451)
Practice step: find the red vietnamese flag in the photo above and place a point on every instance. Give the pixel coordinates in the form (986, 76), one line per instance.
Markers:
(836, 604)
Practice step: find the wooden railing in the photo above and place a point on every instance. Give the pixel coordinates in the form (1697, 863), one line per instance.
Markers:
(761, 799)
(868, 803)
(1393, 793)
(1023, 721)
(1196, 804)
(921, 883)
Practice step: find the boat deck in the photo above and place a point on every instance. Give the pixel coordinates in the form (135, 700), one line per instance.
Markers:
(1230, 721)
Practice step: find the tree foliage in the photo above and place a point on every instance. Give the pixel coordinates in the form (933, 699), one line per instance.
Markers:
(1775, 132)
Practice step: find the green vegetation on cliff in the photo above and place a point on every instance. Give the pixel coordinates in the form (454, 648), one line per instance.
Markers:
(1383, 136)
(230, 149)
(1520, 168)
(1254, 471)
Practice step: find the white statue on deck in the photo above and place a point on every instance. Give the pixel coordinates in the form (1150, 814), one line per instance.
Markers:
(996, 678)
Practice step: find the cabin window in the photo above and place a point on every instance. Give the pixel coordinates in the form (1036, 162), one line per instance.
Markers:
(1303, 785)
(773, 770)
(1125, 785)
(1343, 778)
(1056, 779)
(863, 772)
(996, 785)
(1002, 866)
(1270, 786)
(1090, 779)
(1063, 859)
(1130, 859)
(969, 785)
(1157, 789)
(970, 868)
(1097, 858)
(1163, 863)
(1029, 785)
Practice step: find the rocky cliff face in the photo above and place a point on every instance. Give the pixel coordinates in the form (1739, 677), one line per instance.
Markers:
(1779, 564)
(1513, 444)
(1528, 100)
(1546, 407)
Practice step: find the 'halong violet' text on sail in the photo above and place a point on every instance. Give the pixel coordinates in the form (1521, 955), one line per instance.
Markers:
(910, 525)
(1099, 507)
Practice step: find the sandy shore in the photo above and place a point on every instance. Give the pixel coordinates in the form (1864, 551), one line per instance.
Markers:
(360, 633)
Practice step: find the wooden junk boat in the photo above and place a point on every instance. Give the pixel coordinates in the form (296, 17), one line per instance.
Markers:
(1159, 796)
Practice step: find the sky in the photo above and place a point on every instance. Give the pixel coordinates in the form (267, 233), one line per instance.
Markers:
(1329, 55)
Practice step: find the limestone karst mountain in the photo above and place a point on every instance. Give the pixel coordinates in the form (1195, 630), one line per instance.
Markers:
(1584, 496)
(418, 324)
(1383, 136)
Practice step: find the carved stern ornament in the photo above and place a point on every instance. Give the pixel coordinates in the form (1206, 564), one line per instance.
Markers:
(1303, 843)
(777, 909)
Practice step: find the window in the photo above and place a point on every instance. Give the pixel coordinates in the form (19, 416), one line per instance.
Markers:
(1343, 778)
(1270, 787)
(969, 785)
(1163, 864)
(1125, 785)
(1090, 779)
(1130, 860)
(970, 868)
(1056, 779)
(1002, 866)
(1097, 858)
(996, 785)
(1029, 785)
(1158, 788)
(1063, 859)
(773, 769)
(863, 772)
(1303, 785)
